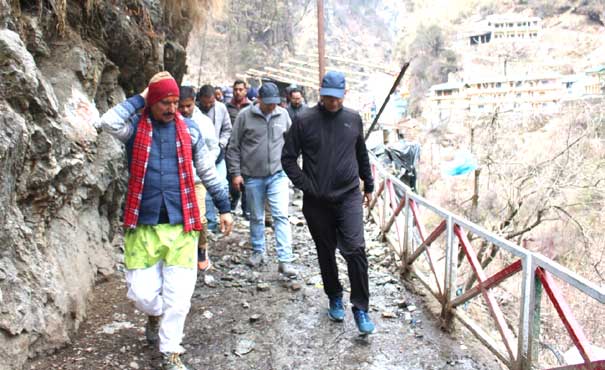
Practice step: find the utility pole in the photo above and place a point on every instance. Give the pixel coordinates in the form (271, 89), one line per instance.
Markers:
(321, 43)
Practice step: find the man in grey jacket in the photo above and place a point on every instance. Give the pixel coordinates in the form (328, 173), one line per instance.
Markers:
(218, 114)
(297, 103)
(254, 158)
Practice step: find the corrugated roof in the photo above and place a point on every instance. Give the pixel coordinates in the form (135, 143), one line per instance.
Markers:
(508, 78)
(510, 17)
(600, 68)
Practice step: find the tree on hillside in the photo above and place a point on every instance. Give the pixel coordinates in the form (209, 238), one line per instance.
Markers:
(528, 186)
(431, 63)
(252, 33)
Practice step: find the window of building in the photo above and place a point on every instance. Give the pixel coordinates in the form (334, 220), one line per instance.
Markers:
(498, 84)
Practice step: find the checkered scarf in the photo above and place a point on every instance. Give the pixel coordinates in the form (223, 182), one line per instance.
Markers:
(138, 167)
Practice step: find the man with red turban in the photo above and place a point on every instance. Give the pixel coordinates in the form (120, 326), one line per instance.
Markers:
(161, 216)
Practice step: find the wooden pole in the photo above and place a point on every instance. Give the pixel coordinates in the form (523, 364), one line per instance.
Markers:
(203, 51)
(321, 43)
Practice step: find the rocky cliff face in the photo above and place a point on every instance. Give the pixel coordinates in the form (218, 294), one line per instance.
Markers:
(62, 182)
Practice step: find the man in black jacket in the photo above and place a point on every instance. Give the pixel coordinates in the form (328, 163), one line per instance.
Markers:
(330, 138)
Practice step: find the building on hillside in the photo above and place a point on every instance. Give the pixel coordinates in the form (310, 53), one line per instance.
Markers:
(595, 81)
(590, 83)
(533, 93)
(505, 27)
(452, 102)
(447, 103)
(540, 93)
(573, 86)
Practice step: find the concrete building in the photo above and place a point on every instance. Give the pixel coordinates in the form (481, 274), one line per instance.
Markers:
(595, 81)
(505, 27)
(447, 103)
(535, 93)
(476, 96)
(587, 84)
(540, 93)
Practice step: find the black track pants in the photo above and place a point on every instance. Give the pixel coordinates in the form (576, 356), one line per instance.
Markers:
(340, 225)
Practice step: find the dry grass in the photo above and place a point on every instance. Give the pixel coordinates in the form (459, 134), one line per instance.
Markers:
(195, 11)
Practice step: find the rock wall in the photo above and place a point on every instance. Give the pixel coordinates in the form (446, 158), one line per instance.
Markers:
(62, 182)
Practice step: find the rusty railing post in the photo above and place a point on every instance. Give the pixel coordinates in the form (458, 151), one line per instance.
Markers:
(406, 237)
(385, 208)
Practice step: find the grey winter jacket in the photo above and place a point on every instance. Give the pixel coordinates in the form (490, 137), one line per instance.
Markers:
(219, 116)
(256, 142)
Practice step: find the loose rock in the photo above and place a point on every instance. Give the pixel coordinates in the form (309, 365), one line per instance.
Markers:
(389, 314)
(244, 346)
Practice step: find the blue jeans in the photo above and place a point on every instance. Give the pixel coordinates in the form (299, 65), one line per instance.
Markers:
(211, 210)
(275, 189)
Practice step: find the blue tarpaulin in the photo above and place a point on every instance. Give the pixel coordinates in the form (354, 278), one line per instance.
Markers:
(463, 162)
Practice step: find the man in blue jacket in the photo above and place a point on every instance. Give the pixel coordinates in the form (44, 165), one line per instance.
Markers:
(161, 216)
(330, 138)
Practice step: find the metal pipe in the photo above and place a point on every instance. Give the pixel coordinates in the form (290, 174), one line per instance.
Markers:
(386, 100)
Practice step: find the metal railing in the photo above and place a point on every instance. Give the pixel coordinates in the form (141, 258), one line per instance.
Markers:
(398, 218)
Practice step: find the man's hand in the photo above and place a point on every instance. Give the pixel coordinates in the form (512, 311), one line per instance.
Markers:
(226, 223)
(144, 94)
(367, 199)
(237, 182)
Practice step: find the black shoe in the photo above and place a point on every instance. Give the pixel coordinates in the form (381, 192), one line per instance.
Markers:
(152, 329)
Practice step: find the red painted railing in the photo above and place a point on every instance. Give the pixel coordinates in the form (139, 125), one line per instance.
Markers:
(401, 226)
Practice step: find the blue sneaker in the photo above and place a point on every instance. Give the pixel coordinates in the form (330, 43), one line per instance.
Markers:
(363, 321)
(336, 312)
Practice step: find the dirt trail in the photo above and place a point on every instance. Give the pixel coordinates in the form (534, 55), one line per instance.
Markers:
(245, 319)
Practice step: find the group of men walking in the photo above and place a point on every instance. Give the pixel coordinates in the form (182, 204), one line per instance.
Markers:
(189, 160)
